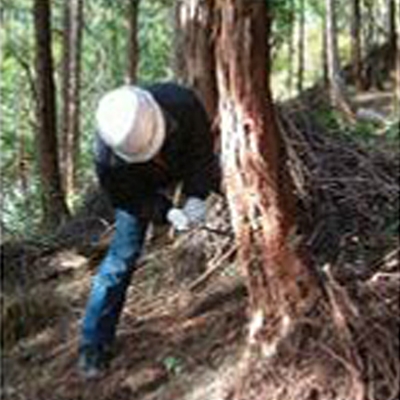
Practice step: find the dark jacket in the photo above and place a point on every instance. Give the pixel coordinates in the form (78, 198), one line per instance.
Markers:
(187, 156)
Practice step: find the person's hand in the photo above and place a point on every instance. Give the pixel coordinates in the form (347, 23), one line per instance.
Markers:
(178, 219)
(192, 214)
(195, 209)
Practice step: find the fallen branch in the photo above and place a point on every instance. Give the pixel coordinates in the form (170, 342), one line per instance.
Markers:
(215, 265)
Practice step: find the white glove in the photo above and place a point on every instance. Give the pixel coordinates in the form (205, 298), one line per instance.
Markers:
(192, 213)
(178, 219)
(195, 209)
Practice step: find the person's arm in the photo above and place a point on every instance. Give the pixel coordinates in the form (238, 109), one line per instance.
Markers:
(202, 171)
(202, 174)
(127, 188)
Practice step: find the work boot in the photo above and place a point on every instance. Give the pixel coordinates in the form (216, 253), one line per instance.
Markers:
(93, 361)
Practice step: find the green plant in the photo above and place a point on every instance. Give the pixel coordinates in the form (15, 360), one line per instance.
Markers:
(173, 365)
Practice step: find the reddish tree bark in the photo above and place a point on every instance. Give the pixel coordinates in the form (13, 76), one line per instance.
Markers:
(54, 206)
(256, 177)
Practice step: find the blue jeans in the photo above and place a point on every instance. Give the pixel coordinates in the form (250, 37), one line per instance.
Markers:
(110, 284)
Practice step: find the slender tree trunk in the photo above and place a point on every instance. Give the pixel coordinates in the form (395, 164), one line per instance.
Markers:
(337, 88)
(324, 53)
(392, 32)
(257, 182)
(368, 25)
(397, 78)
(369, 33)
(356, 44)
(23, 174)
(179, 65)
(301, 40)
(22, 158)
(133, 46)
(70, 134)
(332, 48)
(54, 206)
(194, 51)
(291, 48)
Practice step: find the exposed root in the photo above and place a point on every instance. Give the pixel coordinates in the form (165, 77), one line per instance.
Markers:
(345, 349)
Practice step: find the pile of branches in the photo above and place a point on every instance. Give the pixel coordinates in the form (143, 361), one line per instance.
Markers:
(348, 197)
(348, 203)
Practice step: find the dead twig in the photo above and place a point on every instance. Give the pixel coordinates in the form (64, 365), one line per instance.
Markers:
(215, 265)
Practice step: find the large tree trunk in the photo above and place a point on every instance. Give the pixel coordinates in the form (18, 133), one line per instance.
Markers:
(54, 206)
(338, 96)
(300, 48)
(356, 44)
(194, 50)
(70, 133)
(133, 46)
(257, 181)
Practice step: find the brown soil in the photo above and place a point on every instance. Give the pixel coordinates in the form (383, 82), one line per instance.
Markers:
(184, 338)
(175, 339)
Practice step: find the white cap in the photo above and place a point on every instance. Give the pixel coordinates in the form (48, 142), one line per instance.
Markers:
(130, 121)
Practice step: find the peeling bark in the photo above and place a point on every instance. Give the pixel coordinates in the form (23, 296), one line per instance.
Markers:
(256, 177)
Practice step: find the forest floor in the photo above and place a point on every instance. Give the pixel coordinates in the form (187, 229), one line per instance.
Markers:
(183, 331)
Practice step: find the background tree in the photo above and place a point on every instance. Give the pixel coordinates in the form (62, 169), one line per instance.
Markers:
(369, 36)
(133, 45)
(397, 78)
(356, 44)
(194, 39)
(392, 31)
(300, 47)
(257, 182)
(324, 51)
(70, 132)
(392, 23)
(292, 19)
(103, 65)
(337, 90)
(54, 206)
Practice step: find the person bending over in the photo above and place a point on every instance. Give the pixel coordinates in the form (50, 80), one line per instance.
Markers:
(147, 139)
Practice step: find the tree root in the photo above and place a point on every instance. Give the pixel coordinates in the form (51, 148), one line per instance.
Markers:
(347, 348)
